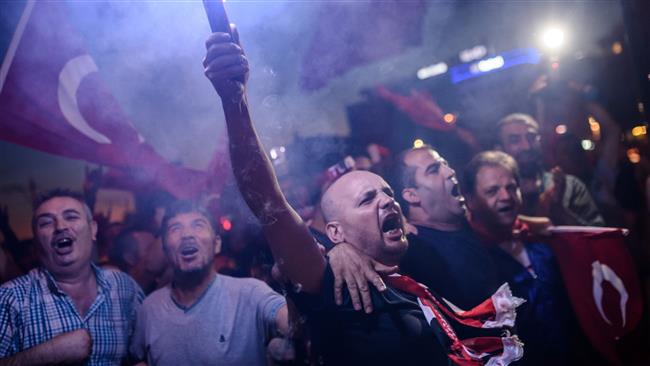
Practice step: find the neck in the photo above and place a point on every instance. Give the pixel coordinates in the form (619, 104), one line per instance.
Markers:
(187, 288)
(74, 279)
(417, 216)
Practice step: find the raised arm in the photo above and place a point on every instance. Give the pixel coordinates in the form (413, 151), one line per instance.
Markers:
(292, 244)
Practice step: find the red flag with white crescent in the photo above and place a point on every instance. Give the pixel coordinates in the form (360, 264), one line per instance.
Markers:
(602, 283)
(52, 99)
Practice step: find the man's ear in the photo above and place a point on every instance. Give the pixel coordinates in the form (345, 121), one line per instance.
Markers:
(217, 244)
(93, 229)
(334, 232)
(411, 196)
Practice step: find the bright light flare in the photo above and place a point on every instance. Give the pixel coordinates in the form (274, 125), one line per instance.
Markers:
(449, 118)
(418, 143)
(639, 131)
(553, 38)
(489, 64)
(433, 70)
(226, 224)
(633, 155)
(560, 129)
(587, 145)
(594, 126)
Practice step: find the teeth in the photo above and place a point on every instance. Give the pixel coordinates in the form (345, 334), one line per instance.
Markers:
(63, 242)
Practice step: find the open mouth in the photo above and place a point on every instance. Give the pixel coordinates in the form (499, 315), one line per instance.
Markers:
(392, 226)
(189, 251)
(455, 191)
(456, 194)
(62, 243)
(506, 209)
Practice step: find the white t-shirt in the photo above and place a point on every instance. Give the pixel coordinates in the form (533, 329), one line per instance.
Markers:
(228, 325)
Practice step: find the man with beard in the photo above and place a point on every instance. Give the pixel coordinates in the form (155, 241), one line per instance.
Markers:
(68, 310)
(546, 321)
(409, 325)
(562, 197)
(203, 317)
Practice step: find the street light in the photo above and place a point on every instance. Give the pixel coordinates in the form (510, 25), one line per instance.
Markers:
(553, 38)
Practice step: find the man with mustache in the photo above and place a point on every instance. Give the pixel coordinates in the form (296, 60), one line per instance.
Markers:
(562, 197)
(444, 253)
(409, 325)
(546, 321)
(202, 317)
(68, 310)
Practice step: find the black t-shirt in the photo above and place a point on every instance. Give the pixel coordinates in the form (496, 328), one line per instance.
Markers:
(453, 264)
(396, 333)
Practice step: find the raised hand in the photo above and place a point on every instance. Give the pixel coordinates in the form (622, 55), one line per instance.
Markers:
(226, 65)
(357, 271)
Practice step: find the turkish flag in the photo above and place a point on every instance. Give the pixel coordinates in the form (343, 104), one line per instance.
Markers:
(52, 99)
(602, 283)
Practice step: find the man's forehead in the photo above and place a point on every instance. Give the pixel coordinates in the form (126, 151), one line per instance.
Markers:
(56, 204)
(187, 217)
(517, 127)
(422, 157)
(491, 174)
(357, 181)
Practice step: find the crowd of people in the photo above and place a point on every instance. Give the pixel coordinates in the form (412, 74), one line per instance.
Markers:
(380, 261)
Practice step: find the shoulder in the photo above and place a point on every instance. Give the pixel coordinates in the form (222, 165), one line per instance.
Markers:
(19, 288)
(121, 283)
(118, 278)
(575, 182)
(244, 285)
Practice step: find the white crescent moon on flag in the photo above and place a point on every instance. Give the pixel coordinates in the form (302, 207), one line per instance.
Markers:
(600, 273)
(70, 78)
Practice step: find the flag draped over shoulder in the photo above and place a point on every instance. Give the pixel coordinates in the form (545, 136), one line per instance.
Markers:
(52, 99)
(602, 283)
(350, 34)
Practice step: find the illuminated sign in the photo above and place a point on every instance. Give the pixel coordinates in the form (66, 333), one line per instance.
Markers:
(501, 61)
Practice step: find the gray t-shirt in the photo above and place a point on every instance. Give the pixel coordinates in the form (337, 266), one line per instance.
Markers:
(228, 325)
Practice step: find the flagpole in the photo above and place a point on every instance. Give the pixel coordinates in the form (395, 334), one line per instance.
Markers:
(15, 40)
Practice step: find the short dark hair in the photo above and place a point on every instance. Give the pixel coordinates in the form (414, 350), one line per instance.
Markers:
(402, 176)
(185, 206)
(45, 196)
(487, 158)
(519, 118)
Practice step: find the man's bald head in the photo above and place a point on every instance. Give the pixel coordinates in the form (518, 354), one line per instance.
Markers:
(360, 209)
(340, 191)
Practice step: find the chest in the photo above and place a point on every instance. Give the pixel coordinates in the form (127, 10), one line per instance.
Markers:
(219, 335)
(44, 316)
(395, 333)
